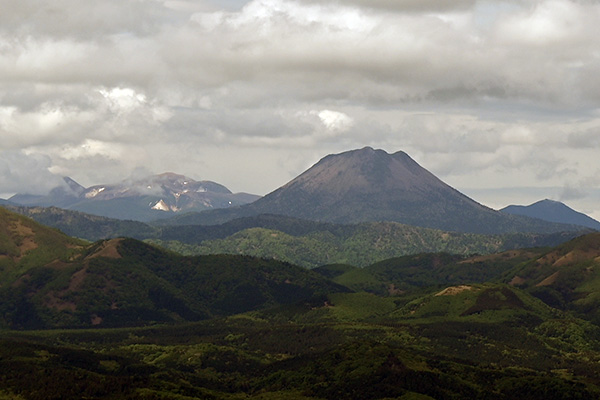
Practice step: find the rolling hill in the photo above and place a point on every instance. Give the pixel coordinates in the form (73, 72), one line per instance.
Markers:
(302, 242)
(86, 226)
(566, 277)
(412, 273)
(51, 280)
(25, 243)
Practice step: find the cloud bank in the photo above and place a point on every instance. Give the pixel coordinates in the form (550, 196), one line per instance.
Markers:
(485, 94)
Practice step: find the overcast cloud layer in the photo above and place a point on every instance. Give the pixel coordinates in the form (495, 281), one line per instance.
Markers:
(485, 94)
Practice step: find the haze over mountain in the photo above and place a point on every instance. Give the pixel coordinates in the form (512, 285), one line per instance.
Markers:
(553, 211)
(372, 185)
(142, 199)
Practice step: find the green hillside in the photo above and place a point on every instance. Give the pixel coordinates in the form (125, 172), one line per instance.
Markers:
(566, 277)
(302, 242)
(51, 280)
(408, 273)
(123, 282)
(358, 245)
(482, 303)
(152, 324)
(25, 244)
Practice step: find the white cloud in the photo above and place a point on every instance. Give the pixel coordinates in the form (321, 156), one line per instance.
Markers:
(545, 23)
(520, 136)
(123, 99)
(335, 121)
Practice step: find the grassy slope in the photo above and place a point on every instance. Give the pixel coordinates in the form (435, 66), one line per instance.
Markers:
(25, 244)
(566, 277)
(409, 273)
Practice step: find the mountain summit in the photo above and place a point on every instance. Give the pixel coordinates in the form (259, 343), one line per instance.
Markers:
(553, 211)
(372, 185)
(369, 185)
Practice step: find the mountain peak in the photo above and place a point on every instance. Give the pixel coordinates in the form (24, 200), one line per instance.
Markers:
(364, 171)
(553, 211)
(372, 185)
(550, 201)
(170, 175)
(75, 187)
(139, 198)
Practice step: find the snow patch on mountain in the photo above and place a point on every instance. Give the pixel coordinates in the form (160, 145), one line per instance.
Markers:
(140, 198)
(161, 206)
(94, 192)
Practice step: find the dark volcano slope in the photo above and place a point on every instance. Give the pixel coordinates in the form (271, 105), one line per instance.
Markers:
(371, 185)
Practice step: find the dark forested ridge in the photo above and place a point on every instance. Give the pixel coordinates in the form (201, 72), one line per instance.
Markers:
(298, 241)
(123, 282)
(311, 244)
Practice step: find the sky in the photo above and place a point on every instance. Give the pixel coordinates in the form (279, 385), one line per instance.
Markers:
(499, 99)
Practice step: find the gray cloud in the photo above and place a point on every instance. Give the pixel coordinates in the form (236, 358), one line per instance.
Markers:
(572, 193)
(406, 5)
(589, 138)
(85, 21)
(26, 173)
(481, 92)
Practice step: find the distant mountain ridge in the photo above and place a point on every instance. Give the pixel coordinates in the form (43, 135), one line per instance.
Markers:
(143, 199)
(553, 211)
(369, 185)
(85, 226)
